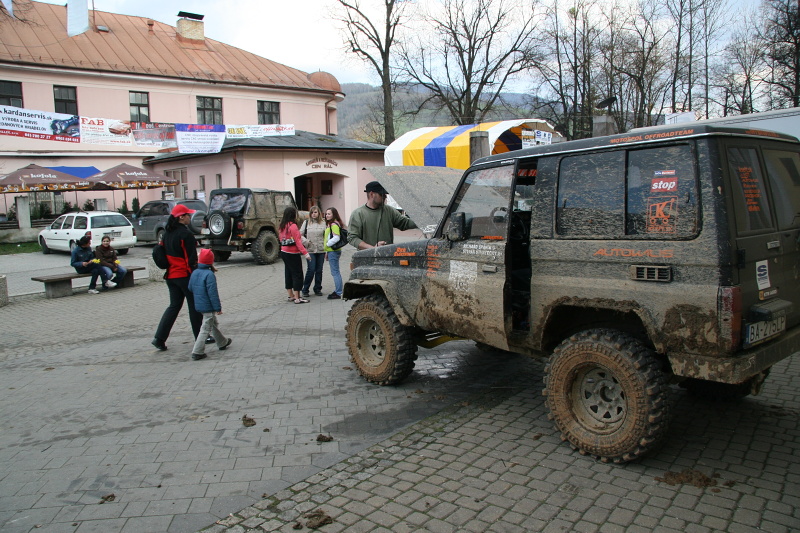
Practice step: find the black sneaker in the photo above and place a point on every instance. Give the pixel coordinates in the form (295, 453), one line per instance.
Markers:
(159, 344)
(305, 294)
(318, 293)
(198, 356)
(334, 296)
(210, 340)
(228, 343)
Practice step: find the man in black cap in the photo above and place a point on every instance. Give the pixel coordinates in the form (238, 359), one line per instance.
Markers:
(373, 223)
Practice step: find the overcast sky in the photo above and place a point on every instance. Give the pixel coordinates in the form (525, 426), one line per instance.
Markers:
(297, 33)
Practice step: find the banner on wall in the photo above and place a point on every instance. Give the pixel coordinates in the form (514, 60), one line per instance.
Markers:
(200, 138)
(105, 131)
(155, 134)
(259, 130)
(32, 124)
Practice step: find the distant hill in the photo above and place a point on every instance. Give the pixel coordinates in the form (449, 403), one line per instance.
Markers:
(359, 117)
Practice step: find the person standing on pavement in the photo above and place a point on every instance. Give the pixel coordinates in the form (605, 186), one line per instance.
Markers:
(109, 261)
(333, 236)
(181, 251)
(312, 231)
(291, 250)
(373, 223)
(203, 284)
(83, 261)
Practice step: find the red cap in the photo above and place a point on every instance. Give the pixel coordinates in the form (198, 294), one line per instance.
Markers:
(206, 257)
(181, 209)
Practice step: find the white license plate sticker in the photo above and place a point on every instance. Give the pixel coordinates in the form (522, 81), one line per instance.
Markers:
(760, 331)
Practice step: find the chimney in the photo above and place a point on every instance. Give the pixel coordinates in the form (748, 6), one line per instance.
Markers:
(190, 27)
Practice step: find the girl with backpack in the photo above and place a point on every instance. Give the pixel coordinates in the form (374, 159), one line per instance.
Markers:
(334, 242)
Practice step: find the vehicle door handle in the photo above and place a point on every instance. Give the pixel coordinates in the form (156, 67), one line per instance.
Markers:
(489, 268)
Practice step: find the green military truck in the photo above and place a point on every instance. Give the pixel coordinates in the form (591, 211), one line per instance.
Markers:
(631, 262)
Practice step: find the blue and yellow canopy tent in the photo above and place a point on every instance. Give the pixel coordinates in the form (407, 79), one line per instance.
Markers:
(448, 146)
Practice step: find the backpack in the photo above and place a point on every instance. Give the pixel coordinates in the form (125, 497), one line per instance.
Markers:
(338, 245)
(160, 256)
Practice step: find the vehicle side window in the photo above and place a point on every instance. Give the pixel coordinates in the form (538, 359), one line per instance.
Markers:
(752, 209)
(68, 222)
(160, 209)
(783, 172)
(58, 222)
(661, 192)
(484, 197)
(591, 198)
(145, 211)
(80, 223)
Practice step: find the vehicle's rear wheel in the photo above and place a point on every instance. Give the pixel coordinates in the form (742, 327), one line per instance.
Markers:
(608, 395)
(221, 255)
(265, 248)
(724, 392)
(72, 245)
(219, 224)
(43, 244)
(382, 349)
(123, 251)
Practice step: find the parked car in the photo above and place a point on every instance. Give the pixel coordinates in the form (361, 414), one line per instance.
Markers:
(659, 256)
(64, 233)
(152, 218)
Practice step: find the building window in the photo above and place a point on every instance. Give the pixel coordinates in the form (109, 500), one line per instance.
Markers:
(11, 93)
(66, 100)
(269, 113)
(140, 106)
(179, 190)
(202, 183)
(209, 110)
(219, 181)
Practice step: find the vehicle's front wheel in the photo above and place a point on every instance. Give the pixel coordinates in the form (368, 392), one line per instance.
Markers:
(221, 255)
(382, 349)
(43, 244)
(265, 248)
(608, 395)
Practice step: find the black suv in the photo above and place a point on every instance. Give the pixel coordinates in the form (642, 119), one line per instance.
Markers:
(151, 219)
(665, 255)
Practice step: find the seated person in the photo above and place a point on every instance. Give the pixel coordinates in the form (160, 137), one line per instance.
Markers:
(83, 261)
(108, 261)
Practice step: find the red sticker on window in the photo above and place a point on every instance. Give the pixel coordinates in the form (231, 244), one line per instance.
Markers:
(664, 185)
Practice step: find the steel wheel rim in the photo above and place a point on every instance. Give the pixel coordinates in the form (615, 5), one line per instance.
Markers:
(371, 343)
(216, 224)
(600, 401)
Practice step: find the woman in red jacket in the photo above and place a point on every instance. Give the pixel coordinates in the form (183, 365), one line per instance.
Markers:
(291, 250)
(181, 251)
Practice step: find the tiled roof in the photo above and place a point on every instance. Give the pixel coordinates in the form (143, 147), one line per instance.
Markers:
(301, 140)
(133, 45)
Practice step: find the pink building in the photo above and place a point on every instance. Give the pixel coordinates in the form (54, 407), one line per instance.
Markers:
(138, 69)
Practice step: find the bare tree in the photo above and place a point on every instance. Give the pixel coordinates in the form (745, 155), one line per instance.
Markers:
(738, 75)
(781, 36)
(565, 69)
(467, 54)
(373, 42)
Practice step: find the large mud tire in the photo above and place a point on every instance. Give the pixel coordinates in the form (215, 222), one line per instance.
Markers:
(382, 349)
(266, 248)
(608, 395)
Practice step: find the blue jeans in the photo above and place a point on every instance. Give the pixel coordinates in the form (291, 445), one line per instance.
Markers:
(120, 274)
(333, 261)
(95, 270)
(314, 272)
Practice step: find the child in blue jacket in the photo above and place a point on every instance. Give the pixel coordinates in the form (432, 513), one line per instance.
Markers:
(203, 285)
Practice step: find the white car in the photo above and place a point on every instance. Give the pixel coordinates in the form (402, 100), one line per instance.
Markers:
(64, 233)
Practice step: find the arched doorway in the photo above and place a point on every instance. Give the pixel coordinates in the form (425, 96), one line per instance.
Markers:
(323, 189)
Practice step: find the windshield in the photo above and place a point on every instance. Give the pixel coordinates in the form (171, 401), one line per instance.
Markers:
(228, 202)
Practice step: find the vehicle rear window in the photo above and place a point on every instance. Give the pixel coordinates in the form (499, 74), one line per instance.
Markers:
(783, 171)
(229, 203)
(752, 208)
(109, 221)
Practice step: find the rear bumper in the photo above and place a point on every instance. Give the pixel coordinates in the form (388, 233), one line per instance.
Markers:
(739, 367)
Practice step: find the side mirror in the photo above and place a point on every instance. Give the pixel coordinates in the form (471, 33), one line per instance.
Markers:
(456, 227)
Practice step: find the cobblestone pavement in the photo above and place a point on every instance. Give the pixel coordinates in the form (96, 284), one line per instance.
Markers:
(90, 410)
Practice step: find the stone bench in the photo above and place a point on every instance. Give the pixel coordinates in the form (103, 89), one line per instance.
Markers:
(58, 285)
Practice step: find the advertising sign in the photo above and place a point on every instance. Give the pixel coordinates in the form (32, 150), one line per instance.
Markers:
(105, 131)
(200, 138)
(258, 130)
(31, 124)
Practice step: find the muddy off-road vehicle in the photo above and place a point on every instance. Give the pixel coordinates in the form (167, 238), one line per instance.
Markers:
(241, 219)
(635, 261)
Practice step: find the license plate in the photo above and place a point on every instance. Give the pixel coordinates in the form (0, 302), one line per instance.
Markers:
(760, 331)
(113, 233)
(204, 231)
